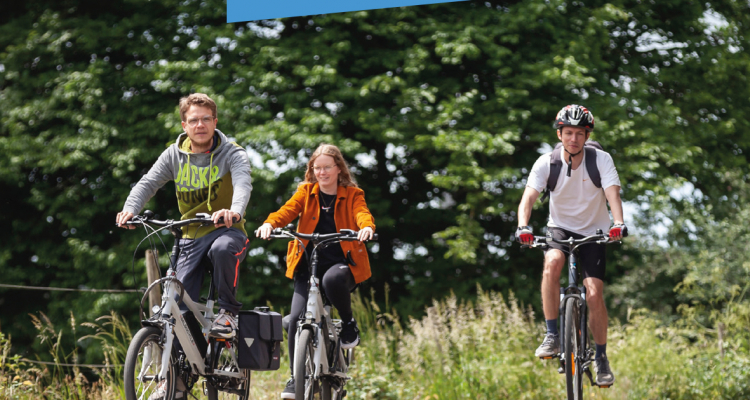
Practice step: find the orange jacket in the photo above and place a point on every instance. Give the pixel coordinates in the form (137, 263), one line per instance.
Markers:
(351, 213)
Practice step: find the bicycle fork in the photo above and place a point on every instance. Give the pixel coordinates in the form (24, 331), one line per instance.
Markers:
(585, 360)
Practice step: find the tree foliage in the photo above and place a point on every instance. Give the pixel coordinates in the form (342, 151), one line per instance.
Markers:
(441, 111)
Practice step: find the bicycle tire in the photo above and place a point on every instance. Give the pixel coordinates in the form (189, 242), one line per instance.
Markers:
(326, 391)
(573, 348)
(305, 387)
(221, 358)
(349, 355)
(145, 350)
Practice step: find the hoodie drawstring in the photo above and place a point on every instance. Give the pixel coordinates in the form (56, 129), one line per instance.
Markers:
(210, 173)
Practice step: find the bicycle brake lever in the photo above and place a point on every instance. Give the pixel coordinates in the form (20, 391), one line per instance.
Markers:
(348, 232)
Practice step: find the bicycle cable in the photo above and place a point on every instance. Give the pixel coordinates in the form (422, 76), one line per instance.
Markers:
(152, 244)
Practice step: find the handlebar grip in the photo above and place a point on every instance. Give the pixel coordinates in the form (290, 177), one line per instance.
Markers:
(374, 236)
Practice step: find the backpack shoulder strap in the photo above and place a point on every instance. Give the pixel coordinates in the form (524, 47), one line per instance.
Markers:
(555, 166)
(591, 166)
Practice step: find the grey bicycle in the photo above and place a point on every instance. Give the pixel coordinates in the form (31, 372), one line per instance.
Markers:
(320, 364)
(154, 367)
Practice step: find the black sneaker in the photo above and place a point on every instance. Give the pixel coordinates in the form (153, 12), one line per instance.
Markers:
(224, 326)
(349, 334)
(288, 392)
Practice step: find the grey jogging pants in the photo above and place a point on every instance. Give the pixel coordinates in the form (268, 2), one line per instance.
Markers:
(224, 249)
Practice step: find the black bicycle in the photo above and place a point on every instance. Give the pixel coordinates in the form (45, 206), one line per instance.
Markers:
(320, 364)
(576, 353)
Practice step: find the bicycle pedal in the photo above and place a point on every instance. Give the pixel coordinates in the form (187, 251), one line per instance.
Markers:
(548, 357)
(604, 386)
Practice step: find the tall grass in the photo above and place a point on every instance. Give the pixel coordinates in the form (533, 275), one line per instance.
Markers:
(33, 379)
(485, 350)
(458, 350)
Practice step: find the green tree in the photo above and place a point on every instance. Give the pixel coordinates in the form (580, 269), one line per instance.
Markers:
(440, 109)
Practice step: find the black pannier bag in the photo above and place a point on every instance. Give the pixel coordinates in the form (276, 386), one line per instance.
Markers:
(260, 339)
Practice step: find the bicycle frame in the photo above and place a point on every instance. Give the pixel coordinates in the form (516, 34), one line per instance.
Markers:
(167, 322)
(569, 293)
(316, 312)
(168, 314)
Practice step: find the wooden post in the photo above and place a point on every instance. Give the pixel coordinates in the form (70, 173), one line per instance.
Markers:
(721, 339)
(152, 271)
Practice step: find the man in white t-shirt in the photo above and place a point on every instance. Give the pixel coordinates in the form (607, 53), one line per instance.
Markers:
(577, 209)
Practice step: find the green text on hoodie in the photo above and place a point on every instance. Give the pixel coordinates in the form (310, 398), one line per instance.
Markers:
(205, 182)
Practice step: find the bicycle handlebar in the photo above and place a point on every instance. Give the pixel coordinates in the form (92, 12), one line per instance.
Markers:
(202, 218)
(542, 241)
(344, 234)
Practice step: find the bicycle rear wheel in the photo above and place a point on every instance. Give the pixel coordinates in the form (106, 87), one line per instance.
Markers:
(142, 366)
(225, 388)
(573, 350)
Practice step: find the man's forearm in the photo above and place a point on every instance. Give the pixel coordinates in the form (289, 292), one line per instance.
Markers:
(524, 212)
(615, 203)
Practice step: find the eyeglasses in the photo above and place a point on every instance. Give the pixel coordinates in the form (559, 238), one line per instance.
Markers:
(206, 120)
(327, 168)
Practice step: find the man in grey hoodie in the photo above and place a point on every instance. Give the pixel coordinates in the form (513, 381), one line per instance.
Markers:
(211, 175)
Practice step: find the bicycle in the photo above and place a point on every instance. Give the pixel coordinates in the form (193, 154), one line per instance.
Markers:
(153, 363)
(576, 353)
(320, 364)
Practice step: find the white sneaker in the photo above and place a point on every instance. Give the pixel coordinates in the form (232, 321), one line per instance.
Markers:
(549, 347)
(224, 326)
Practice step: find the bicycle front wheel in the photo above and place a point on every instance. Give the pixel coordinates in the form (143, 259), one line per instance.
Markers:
(305, 384)
(349, 355)
(227, 388)
(142, 366)
(573, 350)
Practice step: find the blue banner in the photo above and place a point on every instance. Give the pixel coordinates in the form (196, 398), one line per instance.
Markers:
(253, 10)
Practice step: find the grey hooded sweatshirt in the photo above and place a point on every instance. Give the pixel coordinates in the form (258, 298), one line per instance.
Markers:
(204, 182)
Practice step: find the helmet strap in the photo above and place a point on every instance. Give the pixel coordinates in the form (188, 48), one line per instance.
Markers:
(570, 159)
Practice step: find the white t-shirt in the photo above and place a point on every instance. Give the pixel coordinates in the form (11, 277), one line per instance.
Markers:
(576, 204)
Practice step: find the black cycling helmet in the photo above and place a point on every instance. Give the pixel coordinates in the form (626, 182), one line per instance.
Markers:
(575, 115)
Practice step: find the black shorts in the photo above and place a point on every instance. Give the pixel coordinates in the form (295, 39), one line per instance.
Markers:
(592, 260)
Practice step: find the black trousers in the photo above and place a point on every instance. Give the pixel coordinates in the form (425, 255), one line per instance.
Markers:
(223, 249)
(337, 283)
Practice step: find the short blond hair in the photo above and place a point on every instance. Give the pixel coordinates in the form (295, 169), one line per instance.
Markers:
(196, 99)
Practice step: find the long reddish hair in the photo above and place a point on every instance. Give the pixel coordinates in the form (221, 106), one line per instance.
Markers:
(345, 177)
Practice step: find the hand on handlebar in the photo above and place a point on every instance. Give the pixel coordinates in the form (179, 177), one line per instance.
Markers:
(525, 235)
(264, 232)
(365, 234)
(122, 218)
(617, 232)
(230, 217)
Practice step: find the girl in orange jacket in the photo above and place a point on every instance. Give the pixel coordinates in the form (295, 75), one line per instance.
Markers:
(326, 202)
